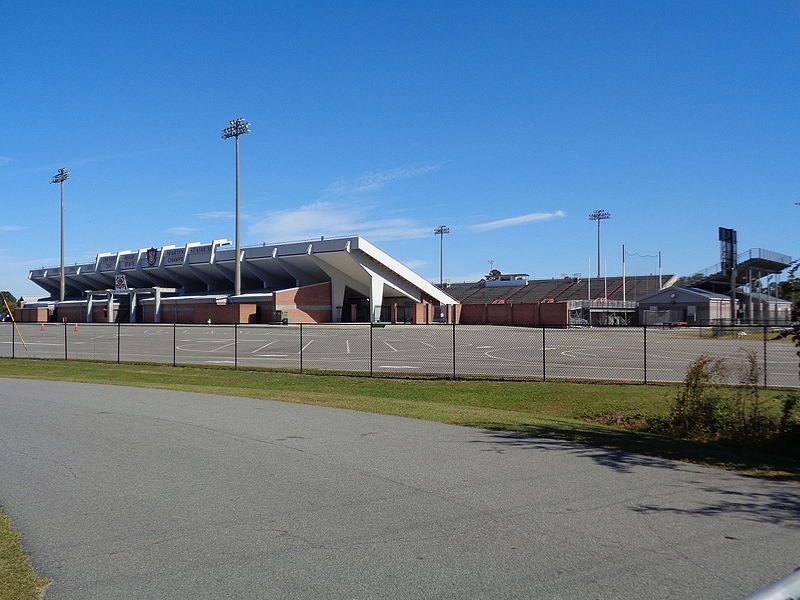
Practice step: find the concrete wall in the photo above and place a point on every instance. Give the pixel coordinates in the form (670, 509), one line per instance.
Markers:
(308, 304)
(522, 313)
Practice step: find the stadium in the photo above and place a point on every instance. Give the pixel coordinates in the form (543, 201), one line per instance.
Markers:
(350, 280)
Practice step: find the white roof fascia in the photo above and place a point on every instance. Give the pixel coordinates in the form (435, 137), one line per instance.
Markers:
(400, 269)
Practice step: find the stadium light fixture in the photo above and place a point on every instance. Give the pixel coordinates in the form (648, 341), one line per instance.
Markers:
(237, 127)
(441, 230)
(599, 215)
(60, 177)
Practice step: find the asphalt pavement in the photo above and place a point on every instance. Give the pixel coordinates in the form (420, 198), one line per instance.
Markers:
(134, 493)
(608, 353)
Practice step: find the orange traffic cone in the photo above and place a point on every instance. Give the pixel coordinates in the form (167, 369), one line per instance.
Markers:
(76, 327)
(42, 327)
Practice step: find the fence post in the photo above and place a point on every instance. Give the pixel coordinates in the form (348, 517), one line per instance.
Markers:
(235, 345)
(66, 356)
(454, 350)
(119, 328)
(765, 356)
(301, 347)
(644, 336)
(174, 343)
(544, 360)
(370, 350)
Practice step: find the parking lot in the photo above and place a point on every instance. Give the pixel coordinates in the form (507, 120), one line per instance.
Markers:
(625, 354)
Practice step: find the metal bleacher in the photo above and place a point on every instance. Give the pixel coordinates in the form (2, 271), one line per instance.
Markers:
(756, 262)
(559, 290)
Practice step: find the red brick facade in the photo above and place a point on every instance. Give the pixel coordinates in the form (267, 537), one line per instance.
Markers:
(529, 313)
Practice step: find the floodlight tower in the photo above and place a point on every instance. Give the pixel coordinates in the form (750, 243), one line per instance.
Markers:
(441, 230)
(238, 127)
(599, 215)
(60, 177)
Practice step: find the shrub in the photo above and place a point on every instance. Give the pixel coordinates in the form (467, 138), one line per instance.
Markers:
(707, 409)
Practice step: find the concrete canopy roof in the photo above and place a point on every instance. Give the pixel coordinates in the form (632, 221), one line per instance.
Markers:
(197, 268)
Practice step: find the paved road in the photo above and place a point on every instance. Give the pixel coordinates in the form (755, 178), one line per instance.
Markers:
(132, 493)
(597, 353)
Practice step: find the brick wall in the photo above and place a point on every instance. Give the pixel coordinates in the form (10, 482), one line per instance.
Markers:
(308, 304)
(30, 315)
(202, 312)
(519, 313)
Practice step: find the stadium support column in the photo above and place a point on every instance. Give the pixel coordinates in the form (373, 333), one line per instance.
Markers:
(337, 298)
(133, 299)
(89, 302)
(157, 306)
(375, 297)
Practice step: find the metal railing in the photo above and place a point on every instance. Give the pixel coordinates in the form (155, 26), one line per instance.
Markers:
(631, 354)
(762, 253)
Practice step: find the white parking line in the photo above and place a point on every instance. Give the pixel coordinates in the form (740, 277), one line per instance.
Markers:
(217, 349)
(431, 346)
(348, 346)
(264, 346)
(272, 355)
(397, 367)
(306, 346)
(390, 346)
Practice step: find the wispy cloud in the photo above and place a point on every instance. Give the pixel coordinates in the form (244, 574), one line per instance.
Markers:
(14, 227)
(372, 182)
(415, 263)
(520, 220)
(328, 218)
(217, 214)
(181, 231)
(4, 160)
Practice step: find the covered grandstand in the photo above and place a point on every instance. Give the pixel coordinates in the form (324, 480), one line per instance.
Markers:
(326, 280)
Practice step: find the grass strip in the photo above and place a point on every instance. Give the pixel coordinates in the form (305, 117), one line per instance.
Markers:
(17, 579)
(556, 410)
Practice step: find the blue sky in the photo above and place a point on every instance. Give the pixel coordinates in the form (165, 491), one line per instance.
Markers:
(507, 121)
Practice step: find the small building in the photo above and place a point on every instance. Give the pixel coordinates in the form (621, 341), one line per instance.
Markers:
(689, 305)
(762, 308)
(506, 280)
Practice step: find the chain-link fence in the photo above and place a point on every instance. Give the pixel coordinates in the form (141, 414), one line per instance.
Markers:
(637, 354)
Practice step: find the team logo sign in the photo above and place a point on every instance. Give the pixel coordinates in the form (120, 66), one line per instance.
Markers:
(151, 257)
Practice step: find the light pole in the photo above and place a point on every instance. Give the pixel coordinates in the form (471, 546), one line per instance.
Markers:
(238, 127)
(440, 231)
(60, 177)
(599, 215)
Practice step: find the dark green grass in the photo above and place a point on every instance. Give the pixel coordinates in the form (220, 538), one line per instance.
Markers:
(17, 579)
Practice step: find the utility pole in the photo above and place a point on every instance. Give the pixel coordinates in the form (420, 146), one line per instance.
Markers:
(60, 177)
(441, 230)
(238, 127)
(599, 215)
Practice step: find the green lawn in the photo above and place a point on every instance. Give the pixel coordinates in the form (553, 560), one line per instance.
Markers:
(17, 579)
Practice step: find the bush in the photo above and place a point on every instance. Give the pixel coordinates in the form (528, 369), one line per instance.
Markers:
(707, 409)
